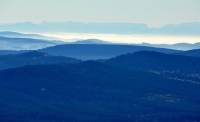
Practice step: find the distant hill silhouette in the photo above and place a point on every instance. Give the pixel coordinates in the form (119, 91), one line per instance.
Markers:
(32, 58)
(7, 43)
(178, 46)
(92, 91)
(14, 37)
(172, 66)
(90, 41)
(193, 53)
(98, 51)
(189, 28)
(192, 28)
(11, 34)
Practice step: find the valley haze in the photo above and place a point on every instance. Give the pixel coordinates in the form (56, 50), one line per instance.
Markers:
(130, 33)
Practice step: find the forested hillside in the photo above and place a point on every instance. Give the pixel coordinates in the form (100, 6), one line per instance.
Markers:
(32, 58)
(176, 67)
(91, 91)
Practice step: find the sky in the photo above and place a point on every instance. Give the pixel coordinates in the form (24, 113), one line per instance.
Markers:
(154, 13)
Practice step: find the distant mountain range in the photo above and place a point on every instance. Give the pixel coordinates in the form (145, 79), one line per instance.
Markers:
(21, 41)
(84, 50)
(178, 46)
(192, 53)
(11, 34)
(98, 51)
(16, 43)
(25, 43)
(192, 28)
(32, 58)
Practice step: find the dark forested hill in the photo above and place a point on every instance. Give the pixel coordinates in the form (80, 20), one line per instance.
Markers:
(157, 61)
(173, 66)
(7, 52)
(91, 91)
(32, 58)
(193, 53)
(98, 51)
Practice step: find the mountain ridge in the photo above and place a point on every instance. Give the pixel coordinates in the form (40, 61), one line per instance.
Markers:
(32, 58)
(178, 67)
(177, 46)
(191, 28)
(98, 51)
(16, 43)
(16, 36)
(192, 53)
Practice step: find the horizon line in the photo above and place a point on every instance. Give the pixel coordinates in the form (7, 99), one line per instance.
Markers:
(35, 23)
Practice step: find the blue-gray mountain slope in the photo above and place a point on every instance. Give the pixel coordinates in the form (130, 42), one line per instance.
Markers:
(98, 51)
(32, 58)
(193, 53)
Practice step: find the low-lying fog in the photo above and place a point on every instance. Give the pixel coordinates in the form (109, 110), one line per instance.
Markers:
(133, 39)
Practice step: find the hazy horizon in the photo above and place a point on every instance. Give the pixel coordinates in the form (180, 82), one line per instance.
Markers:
(119, 38)
(154, 13)
(151, 15)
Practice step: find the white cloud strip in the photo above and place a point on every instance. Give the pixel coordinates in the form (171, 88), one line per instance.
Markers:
(133, 39)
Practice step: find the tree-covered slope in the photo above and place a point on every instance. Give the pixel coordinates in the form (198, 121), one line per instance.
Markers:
(32, 58)
(177, 67)
(91, 91)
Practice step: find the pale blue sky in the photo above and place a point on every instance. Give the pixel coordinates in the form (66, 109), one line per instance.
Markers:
(155, 13)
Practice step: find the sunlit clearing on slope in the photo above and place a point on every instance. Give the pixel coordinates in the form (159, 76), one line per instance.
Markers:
(131, 39)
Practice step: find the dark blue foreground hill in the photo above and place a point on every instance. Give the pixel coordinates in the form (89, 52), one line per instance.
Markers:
(176, 67)
(32, 58)
(155, 60)
(91, 91)
(98, 51)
